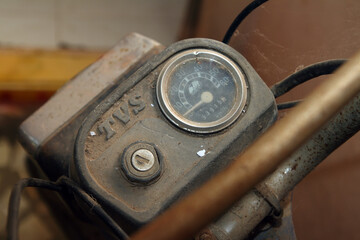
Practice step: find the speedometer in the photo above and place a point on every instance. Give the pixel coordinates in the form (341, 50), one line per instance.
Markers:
(201, 90)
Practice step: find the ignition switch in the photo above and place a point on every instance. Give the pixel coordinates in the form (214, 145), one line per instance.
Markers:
(140, 163)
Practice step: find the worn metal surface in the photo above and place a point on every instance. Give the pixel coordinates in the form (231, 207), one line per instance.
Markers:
(242, 218)
(48, 134)
(341, 128)
(262, 158)
(188, 159)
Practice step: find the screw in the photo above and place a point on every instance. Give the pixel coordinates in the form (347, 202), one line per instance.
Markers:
(142, 160)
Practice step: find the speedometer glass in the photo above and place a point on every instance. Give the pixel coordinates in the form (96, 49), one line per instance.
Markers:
(201, 90)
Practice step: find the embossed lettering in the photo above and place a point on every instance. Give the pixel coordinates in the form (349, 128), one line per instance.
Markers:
(137, 103)
(123, 113)
(105, 127)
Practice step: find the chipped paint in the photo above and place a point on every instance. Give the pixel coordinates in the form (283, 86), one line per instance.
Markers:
(201, 153)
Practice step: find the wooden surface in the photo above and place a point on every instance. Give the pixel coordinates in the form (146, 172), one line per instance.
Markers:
(41, 70)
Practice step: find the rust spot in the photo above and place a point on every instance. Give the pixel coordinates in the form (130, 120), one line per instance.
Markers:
(294, 167)
(205, 234)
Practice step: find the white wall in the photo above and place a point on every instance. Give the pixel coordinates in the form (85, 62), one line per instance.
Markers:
(87, 23)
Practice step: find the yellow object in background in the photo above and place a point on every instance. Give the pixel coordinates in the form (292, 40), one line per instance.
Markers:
(41, 70)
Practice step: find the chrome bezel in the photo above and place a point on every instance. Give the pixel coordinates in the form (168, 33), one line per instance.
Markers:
(177, 118)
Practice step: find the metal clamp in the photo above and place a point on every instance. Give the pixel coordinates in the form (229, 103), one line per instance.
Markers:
(271, 198)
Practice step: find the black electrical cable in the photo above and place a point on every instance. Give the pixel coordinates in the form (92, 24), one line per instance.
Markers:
(305, 74)
(286, 105)
(94, 206)
(63, 183)
(242, 15)
(12, 224)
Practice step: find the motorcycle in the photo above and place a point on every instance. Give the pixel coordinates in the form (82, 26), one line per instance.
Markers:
(154, 134)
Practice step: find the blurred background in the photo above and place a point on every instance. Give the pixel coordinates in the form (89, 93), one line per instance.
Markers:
(44, 43)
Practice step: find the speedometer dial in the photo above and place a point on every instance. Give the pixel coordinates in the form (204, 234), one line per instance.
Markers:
(201, 91)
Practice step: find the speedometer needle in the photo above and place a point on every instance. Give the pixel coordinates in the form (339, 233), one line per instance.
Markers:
(206, 97)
